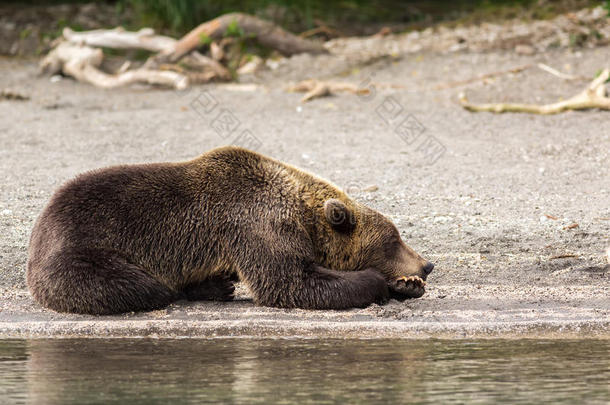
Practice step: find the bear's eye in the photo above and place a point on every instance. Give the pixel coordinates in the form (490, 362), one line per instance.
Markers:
(390, 248)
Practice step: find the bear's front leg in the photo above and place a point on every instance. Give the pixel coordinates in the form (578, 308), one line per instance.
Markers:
(215, 288)
(311, 286)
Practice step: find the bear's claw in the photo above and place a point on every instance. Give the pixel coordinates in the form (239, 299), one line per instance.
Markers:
(414, 279)
(405, 287)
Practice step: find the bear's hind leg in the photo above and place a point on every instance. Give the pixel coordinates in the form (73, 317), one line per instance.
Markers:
(95, 281)
(216, 288)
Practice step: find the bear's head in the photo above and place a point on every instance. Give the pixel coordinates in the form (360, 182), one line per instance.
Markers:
(362, 238)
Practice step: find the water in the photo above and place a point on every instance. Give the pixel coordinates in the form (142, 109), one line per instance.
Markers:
(246, 371)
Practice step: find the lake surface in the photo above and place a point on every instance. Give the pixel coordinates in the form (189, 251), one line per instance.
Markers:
(247, 371)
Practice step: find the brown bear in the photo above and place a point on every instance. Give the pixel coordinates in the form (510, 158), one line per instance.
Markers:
(138, 237)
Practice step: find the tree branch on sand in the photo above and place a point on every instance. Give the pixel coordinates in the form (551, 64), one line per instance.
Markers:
(594, 96)
(317, 88)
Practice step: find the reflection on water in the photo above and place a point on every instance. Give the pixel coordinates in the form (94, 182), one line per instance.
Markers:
(249, 371)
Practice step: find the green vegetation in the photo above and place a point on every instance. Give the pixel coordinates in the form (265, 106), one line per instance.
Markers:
(181, 15)
(234, 30)
(24, 33)
(204, 39)
(348, 16)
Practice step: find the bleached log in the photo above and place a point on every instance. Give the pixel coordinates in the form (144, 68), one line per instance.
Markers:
(118, 38)
(66, 52)
(157, 77)
(82, 62)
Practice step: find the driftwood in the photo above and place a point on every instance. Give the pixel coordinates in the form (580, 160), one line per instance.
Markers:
(594, 96)
(176, 63)
(82, 62)
(266, 33)
(118, 38)
(317, 88)
(199, 69)
(201, 63)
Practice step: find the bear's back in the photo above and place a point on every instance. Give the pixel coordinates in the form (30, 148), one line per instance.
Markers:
(177, 215)
(237, 167)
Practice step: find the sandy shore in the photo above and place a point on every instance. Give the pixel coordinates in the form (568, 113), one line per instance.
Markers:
(442, 313)
(495, 212)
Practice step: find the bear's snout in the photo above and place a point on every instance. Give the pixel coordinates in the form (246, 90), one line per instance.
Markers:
(428, 268)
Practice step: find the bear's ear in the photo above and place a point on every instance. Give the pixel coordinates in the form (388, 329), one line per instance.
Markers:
(340, 218)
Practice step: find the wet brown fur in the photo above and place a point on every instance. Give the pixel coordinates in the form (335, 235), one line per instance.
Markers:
(138, 237)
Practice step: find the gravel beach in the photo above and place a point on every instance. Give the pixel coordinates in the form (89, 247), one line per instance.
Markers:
(513, 209)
